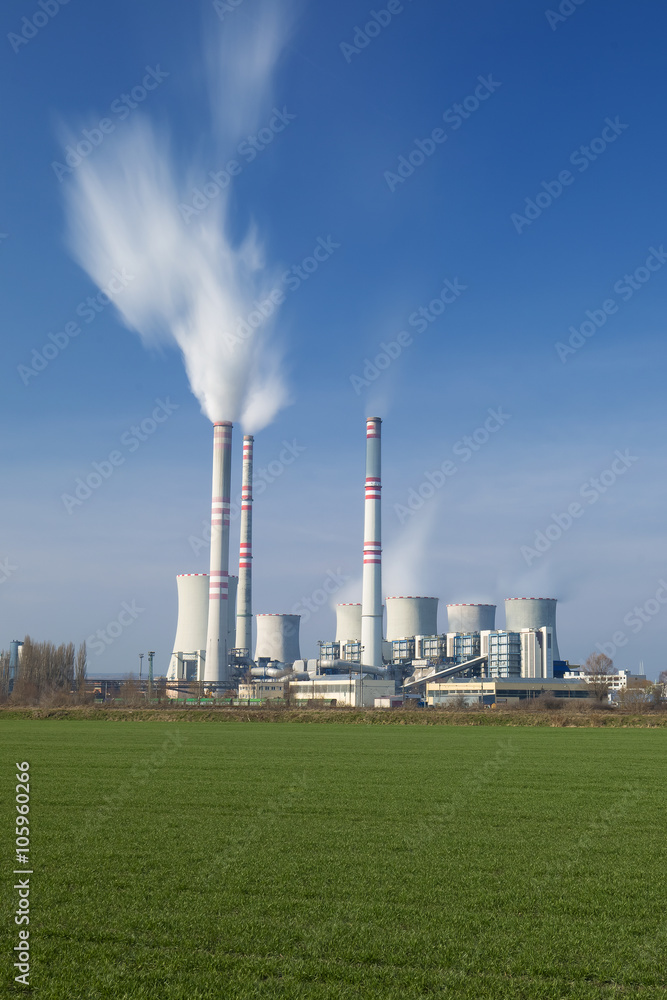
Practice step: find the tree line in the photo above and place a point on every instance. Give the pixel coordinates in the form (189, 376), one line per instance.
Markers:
(45, 669)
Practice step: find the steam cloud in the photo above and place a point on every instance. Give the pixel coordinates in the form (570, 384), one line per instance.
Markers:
(192, 283)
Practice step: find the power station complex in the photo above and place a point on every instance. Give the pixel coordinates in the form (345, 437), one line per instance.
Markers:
(410, 656)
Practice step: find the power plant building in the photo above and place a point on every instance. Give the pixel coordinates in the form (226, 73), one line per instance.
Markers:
(364, 661)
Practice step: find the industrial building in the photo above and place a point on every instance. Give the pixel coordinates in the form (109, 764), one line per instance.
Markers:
(384, 646)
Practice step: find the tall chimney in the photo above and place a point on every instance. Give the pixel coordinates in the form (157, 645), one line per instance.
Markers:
(244, 598)
(216, 671)
(371, 596)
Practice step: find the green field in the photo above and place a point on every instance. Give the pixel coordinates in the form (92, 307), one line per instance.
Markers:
(264, 860)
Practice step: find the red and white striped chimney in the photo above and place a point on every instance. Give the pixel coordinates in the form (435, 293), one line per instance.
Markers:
(216, 671)
(244, 593)
(371, 595)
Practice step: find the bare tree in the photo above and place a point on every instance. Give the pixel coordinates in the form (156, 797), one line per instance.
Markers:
(4, 674)
(598, 667)
(81, 668)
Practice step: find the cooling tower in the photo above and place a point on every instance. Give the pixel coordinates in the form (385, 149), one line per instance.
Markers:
(410, 616)
(278, 637)
(244, 600)
(471, 617)
(348, 622)
(371, 588)
(192, 612)
(216, 671)
(532, 612)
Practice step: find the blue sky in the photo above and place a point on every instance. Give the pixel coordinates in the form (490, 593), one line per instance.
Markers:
(330, 175)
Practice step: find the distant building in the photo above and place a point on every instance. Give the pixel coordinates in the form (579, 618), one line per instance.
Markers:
(491, 691)
(341, 690)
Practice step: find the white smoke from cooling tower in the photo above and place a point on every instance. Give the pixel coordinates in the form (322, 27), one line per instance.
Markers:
(189, 284)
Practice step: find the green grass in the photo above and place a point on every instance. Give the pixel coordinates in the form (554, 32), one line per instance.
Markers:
(182, 861)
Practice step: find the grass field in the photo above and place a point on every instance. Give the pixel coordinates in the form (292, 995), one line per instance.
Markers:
(192, 861)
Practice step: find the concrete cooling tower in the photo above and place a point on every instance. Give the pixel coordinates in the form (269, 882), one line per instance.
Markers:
(192, 624)
(532, 612)
(471, 617)
(408, 616)
(278, 637)
(348, 622)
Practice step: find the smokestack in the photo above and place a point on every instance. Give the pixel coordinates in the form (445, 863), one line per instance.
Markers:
(216, 671)
(371, 595)
(244, 598)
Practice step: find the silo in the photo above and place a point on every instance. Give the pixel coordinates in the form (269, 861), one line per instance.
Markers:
(532, 612)
(278, 637)
(410, 616)
(348, 622)
(471, 617)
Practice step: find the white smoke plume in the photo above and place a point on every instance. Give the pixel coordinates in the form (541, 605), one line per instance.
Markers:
(192, 283)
